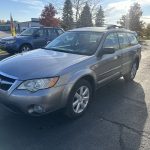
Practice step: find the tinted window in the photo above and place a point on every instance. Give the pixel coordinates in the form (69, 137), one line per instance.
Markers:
(54, 34)
(111, 41)
(123, 39)
(49, 31)
(132, 39)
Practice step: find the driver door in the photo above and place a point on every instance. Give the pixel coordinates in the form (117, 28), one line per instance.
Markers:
(109, 65)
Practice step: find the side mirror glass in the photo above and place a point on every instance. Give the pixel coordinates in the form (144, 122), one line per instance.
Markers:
(108, 50)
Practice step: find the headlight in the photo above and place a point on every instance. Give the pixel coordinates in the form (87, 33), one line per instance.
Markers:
(38, 84)
(10, 41)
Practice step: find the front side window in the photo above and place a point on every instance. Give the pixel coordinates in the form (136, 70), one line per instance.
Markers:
(132, 39)
(111, 41)
(29, 32)
(83, 42)
(123, 40)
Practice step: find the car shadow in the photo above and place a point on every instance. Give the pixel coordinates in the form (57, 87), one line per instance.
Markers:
(114, 120)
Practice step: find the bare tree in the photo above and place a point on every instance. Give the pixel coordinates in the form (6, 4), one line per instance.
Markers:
(94, 5)
(79, 4)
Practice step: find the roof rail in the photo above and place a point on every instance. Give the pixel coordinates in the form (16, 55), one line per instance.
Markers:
(113, 27)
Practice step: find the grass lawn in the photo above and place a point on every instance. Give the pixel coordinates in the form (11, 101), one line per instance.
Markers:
(1, 52)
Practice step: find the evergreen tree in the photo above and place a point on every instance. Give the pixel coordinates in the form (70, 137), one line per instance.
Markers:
(99, 21)
(132, 19)
(67, 15)
(85, 19)
(135, 13)
(124, 21)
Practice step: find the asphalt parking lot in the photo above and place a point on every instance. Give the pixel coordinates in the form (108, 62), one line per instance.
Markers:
(117, 119)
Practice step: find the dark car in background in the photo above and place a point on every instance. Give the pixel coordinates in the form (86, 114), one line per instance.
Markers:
(31, 38)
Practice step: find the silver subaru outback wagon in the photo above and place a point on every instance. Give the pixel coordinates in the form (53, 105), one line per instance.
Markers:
(68, 70)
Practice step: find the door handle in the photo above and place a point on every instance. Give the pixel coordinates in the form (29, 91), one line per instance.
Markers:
(116, 57)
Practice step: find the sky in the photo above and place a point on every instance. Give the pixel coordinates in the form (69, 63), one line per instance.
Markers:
(24, 10)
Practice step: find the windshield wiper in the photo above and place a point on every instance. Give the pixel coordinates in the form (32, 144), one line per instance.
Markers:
(65, 51)
(57, 49)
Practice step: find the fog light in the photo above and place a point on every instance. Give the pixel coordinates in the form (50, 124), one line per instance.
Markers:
(36, 109)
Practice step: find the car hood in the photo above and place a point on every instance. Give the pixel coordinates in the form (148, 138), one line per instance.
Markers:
(14, 38)
(38, 63)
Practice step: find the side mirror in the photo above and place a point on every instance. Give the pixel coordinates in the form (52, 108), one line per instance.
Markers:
(48, 42)
(108, 50)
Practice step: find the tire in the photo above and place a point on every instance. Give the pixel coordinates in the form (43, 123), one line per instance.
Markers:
(77, 102)
(25, 48)
(131, 75)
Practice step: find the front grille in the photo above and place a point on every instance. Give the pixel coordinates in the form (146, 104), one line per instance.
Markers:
(6, 82)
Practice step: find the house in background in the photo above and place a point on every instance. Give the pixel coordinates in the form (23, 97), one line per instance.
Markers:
(20, 26)
(24, 25)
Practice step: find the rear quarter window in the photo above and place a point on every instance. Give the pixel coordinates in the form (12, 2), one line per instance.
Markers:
(60, 31)
(132, 39)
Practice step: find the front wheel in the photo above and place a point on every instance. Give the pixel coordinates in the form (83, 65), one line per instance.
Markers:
(79, 99)
(25, 48)
(131, 75)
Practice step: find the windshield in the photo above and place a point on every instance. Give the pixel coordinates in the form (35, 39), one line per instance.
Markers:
(84, 43)
(28, 32)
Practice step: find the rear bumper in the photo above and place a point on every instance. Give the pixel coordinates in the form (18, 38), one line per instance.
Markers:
(38, 103)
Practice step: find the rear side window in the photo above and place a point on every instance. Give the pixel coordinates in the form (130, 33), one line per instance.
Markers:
(133, 40)
(60, 31)
(111, 41)
(123, 40)
(52, 34)
(40, 32)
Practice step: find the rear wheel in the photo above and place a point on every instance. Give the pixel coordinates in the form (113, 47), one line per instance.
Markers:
(79, 99)
(25, 48)
(131, 75)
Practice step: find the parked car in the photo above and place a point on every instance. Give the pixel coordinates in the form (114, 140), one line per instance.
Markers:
(66, 73)
(31, 38)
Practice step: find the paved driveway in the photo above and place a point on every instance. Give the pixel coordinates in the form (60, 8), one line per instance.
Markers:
(117, 119)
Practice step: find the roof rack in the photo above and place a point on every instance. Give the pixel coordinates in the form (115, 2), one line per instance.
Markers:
(114, 27)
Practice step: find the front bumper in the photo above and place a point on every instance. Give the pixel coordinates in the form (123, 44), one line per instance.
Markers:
(38, 103)
(10, 48)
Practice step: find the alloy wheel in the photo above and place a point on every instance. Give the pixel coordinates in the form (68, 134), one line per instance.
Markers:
(25, 48)
(133, 70)
(81, 99)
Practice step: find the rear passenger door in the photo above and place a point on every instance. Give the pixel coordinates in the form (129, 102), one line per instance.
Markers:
(40, 40)
(109, 65)
(128, 51)
(52, 34)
